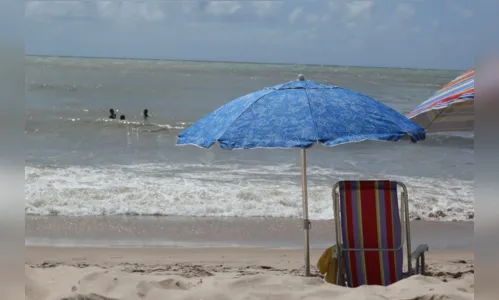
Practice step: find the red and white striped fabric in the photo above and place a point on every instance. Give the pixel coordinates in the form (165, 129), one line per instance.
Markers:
(451, 108)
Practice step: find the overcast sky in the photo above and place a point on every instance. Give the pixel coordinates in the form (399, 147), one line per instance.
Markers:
(392, 33)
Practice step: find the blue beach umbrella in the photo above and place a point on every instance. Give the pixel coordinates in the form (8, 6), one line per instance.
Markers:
(298, 114)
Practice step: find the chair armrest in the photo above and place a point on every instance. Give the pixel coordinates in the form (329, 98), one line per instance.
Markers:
(418, 255)
(420, 250)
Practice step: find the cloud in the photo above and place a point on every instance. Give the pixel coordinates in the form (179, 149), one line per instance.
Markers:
(312, 19)
(337, 31)
(226, 11)
(220, 8)
(104, 10)
(359, 8)
(304, 34)
(295, 14)
(41, 9)
(405, 11)
(462, 12)
(352, 26)
(325, 18)
(381, 28)
(189, 7)
(355, 14)
(334, 5)
(266, 8)
(129, 10)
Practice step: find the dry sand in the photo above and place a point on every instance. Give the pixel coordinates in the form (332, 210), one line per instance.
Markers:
(219, 274)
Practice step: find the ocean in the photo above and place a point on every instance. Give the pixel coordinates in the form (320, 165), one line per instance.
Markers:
(80, 163)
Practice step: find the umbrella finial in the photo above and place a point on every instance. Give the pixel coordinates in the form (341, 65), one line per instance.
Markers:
(301, 77)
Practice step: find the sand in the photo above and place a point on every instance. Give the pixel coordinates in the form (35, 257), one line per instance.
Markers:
(219, 258)
(219, 274)
(128, 231)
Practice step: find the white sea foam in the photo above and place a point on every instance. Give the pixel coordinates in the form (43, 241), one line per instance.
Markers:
(458, 134)
(222, 190)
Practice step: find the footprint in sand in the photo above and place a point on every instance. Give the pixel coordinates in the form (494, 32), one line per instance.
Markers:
(88, 297)
(145, 287)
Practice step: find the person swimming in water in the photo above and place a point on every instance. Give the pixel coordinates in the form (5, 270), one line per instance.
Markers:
(146, 114)
(112, 114)
(122, 117)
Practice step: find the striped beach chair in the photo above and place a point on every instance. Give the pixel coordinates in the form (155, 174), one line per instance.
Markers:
(371, 227)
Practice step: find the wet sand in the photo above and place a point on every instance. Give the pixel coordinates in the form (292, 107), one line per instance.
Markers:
(217, 232)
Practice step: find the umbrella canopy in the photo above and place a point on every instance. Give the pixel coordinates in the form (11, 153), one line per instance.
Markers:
(451, 108)
(298, 114)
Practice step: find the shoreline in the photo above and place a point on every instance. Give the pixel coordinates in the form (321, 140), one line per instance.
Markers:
(210, 232)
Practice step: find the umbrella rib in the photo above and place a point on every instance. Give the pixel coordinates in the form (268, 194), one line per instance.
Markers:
(442, 110)
(258, 99)
(436, 117)
(312, 115)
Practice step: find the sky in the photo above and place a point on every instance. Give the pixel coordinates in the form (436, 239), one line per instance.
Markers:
(440, 34)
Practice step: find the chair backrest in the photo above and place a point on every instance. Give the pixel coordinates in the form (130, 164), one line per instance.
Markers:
(371, 241)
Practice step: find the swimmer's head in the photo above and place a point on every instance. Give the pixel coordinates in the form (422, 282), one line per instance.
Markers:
(112, 115)
(146, 113)
(122, 117)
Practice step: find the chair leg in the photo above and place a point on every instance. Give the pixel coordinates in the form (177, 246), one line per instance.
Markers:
(417, 265)
(419, 256)
(340, 279)
(422, 264)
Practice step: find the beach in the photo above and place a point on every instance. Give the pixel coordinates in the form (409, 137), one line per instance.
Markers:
(220, 273)
(212, 258)
(114, 210)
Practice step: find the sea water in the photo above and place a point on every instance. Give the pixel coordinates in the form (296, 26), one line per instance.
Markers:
(79, 162)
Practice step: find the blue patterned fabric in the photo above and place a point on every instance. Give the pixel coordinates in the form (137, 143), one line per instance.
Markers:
(299, 114)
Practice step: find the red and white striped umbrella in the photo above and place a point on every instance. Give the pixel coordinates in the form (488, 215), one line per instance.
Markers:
(451, 108)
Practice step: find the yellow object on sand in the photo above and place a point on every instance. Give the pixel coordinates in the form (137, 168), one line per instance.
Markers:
(328, 265)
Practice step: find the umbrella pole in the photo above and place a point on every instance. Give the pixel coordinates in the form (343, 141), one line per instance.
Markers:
(306, 222)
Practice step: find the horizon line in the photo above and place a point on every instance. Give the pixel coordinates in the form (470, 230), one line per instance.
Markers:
(235, 62)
